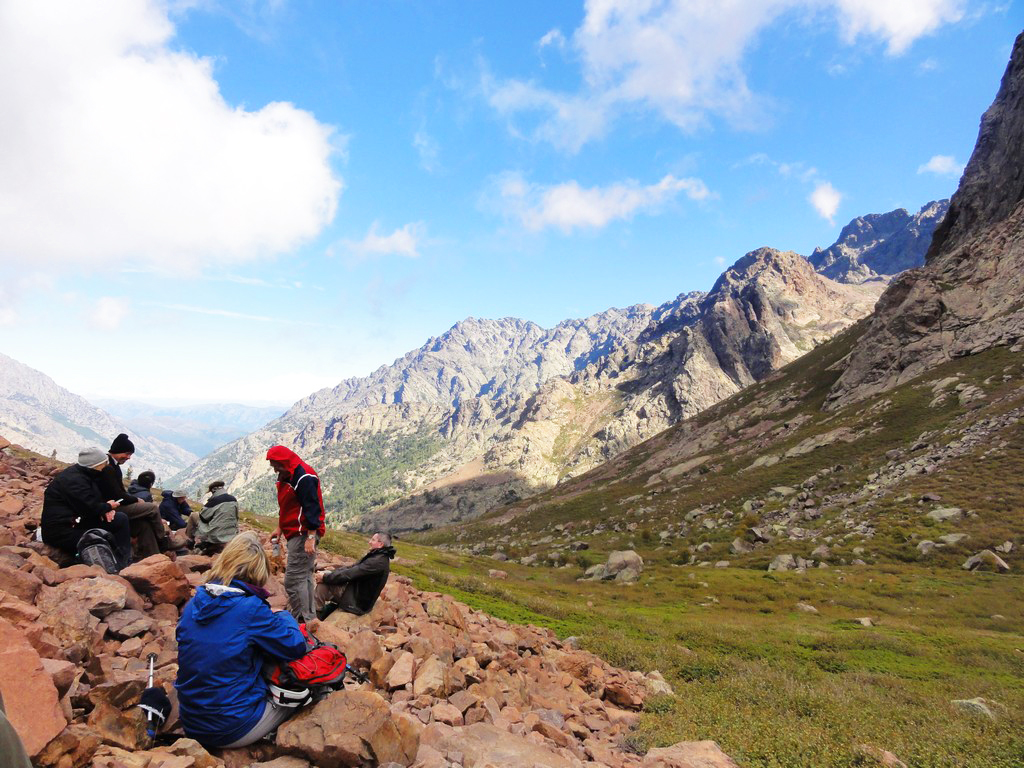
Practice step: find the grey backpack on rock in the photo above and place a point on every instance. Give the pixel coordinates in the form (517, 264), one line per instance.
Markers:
(96, 547)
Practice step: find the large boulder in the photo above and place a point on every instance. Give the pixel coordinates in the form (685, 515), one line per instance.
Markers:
(689, 754)
(351, 728)
(160, 579)
(29, 694)
(986, 560)
(100, 597)
(483, 744)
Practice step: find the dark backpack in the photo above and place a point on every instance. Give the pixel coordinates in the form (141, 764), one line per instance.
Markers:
(96, 547)
(312, 677)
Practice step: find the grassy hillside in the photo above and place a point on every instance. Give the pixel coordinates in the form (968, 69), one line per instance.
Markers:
(851, 492)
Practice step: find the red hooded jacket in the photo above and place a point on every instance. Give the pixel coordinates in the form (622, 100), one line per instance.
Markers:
(300, 503)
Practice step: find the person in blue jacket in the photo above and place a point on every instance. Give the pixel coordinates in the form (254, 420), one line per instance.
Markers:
(175, 509)
(226, 634)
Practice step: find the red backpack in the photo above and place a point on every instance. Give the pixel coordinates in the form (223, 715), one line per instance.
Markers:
(312, 677)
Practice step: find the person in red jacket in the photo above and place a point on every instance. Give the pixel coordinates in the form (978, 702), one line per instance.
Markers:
(301, 522)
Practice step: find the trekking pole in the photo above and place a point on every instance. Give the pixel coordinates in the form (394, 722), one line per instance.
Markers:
(154, 703)
(357, 674)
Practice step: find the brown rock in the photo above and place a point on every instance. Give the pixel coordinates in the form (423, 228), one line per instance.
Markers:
(160, 579)
(16, 610)
(21, 584)
(430, 678)
(193, 750)
(689, 754)
(62, 672)
(125, 729)
(877, 756)
(73, 748)
(624, 695)
(283, 762)
(99, 596)
(128, 623)
(363, 649)
(121, 694)
(482, 744)
(115, 757)
(350, 728)
(380, 668)
(29, 695)
(442, 712)
(401, 673)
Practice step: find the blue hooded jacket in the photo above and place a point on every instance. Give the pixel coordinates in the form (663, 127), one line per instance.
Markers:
(225, 635)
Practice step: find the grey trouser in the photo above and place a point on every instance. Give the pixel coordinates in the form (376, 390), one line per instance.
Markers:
(298, 579)
(148, 528)
(273, 716)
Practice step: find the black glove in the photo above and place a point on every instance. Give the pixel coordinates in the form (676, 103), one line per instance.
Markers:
(334, 578)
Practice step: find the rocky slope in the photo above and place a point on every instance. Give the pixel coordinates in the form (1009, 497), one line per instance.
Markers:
(968, 297)
(493, 411)
(38, 413)
(449, 687)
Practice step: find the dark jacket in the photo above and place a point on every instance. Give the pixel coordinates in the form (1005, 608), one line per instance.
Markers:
(300, 503)
(112, 483)
(140, 491)
(364, 581)
(73, 493)
(224, 636)
(171, 510)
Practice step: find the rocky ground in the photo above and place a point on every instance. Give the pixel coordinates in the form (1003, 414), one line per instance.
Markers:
(449, 686)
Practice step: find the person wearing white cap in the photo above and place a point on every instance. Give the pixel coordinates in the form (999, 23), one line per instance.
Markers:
(73, 503)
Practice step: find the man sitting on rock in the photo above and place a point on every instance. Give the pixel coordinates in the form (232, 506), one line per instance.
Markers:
(141, 487)
(216, 523)
(73, 503)
(356, 588)
(146, 525)
(174, 509)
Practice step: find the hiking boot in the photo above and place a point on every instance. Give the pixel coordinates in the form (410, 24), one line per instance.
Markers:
(326, 611)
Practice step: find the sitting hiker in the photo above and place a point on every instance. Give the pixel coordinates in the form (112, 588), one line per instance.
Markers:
(217, 522)
(356, 588)
(175, 509)
(226, 634)
(148, 529)
(73, 503)
(141, 487)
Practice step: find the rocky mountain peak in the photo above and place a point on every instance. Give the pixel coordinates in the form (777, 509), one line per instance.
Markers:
(967, 298)
(880, 244)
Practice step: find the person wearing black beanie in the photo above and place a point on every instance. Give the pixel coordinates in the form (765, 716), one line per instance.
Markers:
(151, 535)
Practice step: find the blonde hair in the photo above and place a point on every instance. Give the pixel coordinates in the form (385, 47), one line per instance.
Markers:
(244, 559)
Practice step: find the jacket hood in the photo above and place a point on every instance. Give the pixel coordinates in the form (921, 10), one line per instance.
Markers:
(168, 494)
(389, 551)
(212, 600)
(289, 457)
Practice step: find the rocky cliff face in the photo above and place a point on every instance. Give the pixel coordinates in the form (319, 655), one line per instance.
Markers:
(39, 414)
(880, 244)
(968, 296)
(496, 410)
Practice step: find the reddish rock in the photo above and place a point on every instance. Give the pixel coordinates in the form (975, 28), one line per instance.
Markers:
(21, 584)
(62, 672)
(401, 673)
(689, 754)
(125, 624)
(29, 695)
(350, 728)
(443, 712)
(73, 748)
(481, 744)
(160, 579)
(363, 649)
(430, 678)
(17, 611)
(125, 729)
(98, 596)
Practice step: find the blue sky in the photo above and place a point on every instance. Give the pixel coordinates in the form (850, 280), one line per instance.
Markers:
(246, 201)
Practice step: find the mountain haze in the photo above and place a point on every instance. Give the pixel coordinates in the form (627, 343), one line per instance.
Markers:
(496, 410)
(41, 415)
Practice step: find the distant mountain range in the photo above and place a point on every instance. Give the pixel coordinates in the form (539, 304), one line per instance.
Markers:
(496, 410)
(41, 415)
(199, 429)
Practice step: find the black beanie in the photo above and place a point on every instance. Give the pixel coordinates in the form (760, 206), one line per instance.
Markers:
(122, 444)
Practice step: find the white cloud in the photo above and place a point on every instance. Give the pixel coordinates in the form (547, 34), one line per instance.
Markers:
(108, 313)
(942, 165)
(401, 242)
(118, 147)
(552, 37)
(825, 198)
(569, 206)
(898, 22)
(427, 149)
(684, 60)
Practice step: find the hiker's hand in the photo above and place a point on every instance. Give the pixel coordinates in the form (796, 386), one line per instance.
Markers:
(114, 504)
(310, 545)
(109, 516)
